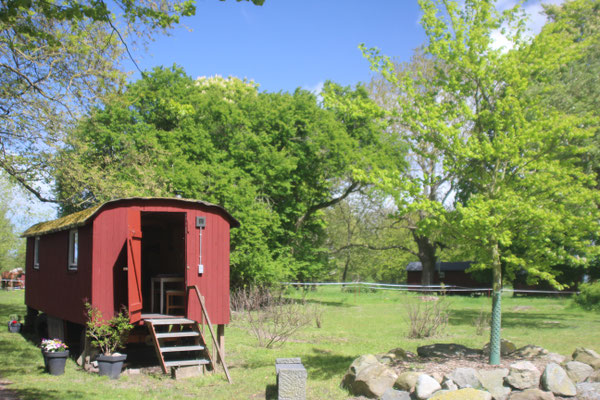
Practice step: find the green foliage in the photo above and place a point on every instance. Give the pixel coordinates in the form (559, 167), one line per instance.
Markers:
(107, 335)
(274, 160)
(365, 242)
(59, 59)
(12, 247)
(513, 160)
(589, 296)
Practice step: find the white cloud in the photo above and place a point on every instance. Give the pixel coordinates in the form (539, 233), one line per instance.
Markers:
(535, 22)
(315, 89)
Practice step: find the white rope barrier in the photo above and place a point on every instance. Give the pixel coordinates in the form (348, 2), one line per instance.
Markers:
(16, 283)
(424, 288)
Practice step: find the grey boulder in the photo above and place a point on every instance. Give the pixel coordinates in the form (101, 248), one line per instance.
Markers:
(465, 378)
(531, 394)
(556, 380)
(393, 394)
(523, 375)
(578, 371)
(492, 380)
(588, 391)
(373, 380)
(506, 347)
(530, 351)
(426, 386)
(407, 380)
(446, 350)
(588, 356)
(358, 365)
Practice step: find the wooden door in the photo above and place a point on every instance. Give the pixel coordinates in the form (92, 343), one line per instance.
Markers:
(134, 264)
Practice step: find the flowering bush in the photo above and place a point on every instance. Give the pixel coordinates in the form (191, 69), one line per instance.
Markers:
(53, 345)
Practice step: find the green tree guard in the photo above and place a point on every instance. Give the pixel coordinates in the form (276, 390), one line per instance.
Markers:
(495, 332)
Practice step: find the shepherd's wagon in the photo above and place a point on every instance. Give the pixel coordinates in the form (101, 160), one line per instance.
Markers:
(166, 260)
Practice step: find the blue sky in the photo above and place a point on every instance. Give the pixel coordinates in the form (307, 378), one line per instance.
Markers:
(286, 44)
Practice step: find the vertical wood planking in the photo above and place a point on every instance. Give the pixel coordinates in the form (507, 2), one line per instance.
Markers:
(61, 293)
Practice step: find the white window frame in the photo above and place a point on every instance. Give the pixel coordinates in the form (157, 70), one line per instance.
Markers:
(73, 249)
(36, 252)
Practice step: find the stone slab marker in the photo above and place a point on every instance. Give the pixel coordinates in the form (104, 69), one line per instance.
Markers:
(291, 379)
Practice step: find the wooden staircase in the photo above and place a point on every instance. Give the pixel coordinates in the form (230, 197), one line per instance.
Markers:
(179, 342)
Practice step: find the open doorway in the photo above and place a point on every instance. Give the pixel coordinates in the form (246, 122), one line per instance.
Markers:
(163, 255)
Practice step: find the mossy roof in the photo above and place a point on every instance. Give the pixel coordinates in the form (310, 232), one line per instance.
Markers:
(82, 217)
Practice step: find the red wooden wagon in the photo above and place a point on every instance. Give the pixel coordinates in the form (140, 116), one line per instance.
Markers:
(160, 257)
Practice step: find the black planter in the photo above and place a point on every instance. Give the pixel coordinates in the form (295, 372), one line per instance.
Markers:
(110, 365)
(45, 360)
(14, 328)
(55, 362)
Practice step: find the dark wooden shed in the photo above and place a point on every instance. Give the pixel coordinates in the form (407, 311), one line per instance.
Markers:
(448, 273)
(132, 252)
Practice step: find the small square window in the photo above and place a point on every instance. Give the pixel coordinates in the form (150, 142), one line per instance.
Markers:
(73, 249)
(36, 253)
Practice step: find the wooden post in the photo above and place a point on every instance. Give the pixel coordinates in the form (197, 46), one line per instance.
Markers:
(220, 343)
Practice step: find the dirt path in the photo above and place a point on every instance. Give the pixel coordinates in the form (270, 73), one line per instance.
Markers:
(6, 393)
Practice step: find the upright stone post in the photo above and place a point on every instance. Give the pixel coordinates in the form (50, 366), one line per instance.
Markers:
(291, 379)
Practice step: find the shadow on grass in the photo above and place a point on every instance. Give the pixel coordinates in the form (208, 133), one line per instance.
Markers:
(271, 392)
(324, 365)
(324, 302)
(7, 310)
(511, 319)
(35, 394)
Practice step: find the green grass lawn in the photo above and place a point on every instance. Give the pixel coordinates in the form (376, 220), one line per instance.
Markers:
(352, 324)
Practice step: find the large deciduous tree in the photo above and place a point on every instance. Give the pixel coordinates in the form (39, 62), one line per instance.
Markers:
(425, 196)
(516, 160)
(275, 160)
(59, 58)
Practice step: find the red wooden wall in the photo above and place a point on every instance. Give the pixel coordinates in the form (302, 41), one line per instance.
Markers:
(101, 278)
(110, 230)
(54, 289)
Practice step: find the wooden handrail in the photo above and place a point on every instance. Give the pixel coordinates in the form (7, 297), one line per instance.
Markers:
(212, 333)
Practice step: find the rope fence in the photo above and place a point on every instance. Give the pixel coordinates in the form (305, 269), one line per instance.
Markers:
(426, 288)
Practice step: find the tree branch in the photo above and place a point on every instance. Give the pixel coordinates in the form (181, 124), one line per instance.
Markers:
(371, 247)
(314, 208)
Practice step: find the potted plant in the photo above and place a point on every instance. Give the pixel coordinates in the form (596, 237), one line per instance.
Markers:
(55, 353)
(14, 325)
(108, 336)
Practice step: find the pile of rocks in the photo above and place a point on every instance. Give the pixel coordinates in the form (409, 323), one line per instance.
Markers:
(528, 373)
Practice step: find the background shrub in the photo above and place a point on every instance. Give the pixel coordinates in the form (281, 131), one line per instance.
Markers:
(589, 296)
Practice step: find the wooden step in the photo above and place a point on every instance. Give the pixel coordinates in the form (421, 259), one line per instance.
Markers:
(177, 334)
(171, 321)
(183, 363)
(181, 348)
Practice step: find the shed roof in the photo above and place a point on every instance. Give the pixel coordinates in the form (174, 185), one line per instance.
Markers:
(80, 218)
(441, 266)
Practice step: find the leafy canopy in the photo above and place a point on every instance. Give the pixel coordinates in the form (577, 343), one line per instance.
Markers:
(59, 58)
(274, 160)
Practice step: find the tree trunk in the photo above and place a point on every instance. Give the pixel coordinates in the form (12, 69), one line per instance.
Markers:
(346, 266)
(427, 256)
